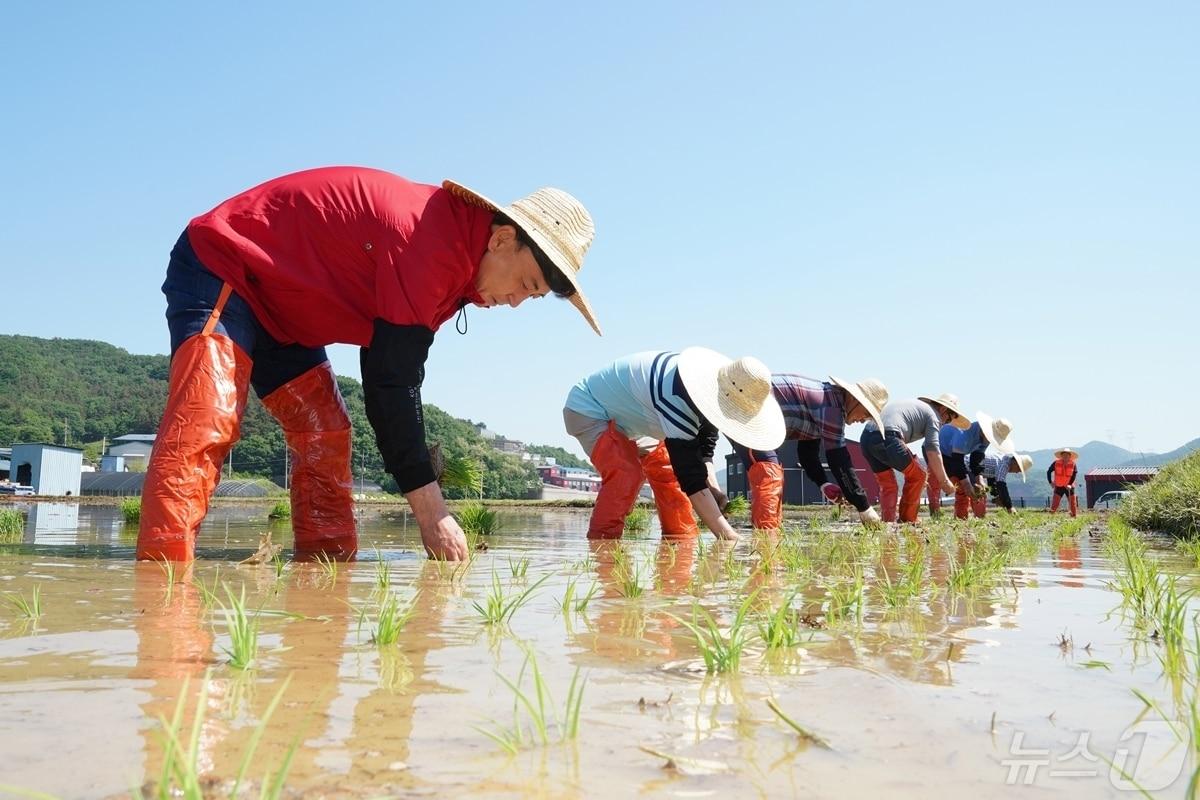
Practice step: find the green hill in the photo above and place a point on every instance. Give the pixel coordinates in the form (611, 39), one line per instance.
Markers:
(74, 391)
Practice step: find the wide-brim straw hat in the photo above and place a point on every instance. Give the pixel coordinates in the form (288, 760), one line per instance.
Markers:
(1058, 453)
(735, 396)
(997, 431)
(950, 403)
(1024, 463)
(557, 223)
(870, 394)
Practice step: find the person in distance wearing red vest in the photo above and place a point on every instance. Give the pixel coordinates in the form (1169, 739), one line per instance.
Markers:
(1061, 475)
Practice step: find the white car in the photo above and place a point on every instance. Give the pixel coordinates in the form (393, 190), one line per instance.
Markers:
(1110, 500)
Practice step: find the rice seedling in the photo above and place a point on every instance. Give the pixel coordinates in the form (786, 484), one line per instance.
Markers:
(281, 510)
(628, 573)
(12, 526)
(981, 564)
(518, 568)
(638, 519)
(846, 598)
(329, 568)
(462, 473)
(278, 564)
(777, 629)
(181, 774)
(383, 572)
(722, 652)
(208, 595)
(478, 519)
(242, 630)
(499, 607)
(537, 703)
(573, 601)
(392, 619)
(737, 506)
(30, 608)
(804, 733)
(131, 509)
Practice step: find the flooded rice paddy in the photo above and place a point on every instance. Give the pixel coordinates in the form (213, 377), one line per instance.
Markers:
(1013, 656)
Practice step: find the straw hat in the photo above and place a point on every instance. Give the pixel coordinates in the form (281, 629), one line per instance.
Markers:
(950, 403)
(1068, 451)
(557, 223)
(1025, 463)
(735, 396)
(997, 432)
(870, 394)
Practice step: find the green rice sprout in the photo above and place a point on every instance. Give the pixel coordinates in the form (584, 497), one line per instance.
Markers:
(131, 509)
(329, 567)
(573, 601)
(30, 608)
(383, 572)
(628, 574)
(242, 630)
(846, 598)
(721, 651)
(778, 628)
(498, 607)
(638, 519)
(737, 506)
(518, 568)
(392, 619)
(535, 718)
(464, 474)
(475, 518)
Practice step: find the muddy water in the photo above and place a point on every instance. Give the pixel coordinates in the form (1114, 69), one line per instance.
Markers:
(960, 694)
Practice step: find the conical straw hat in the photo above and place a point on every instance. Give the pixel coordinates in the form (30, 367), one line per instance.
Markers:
(950, 402)
(1025, 463)
(870, 394)
(997, 432)
(557, 223)
(1058, 453)
(735, 396)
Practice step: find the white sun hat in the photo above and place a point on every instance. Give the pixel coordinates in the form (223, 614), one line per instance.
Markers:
(1074, 456)
(950, 402)
(1025, 463)
(870, 394)
(557, 223)
(997, 432)
(735, 396)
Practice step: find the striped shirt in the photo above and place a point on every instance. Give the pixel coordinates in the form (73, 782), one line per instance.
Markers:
(642, 394)
(995, 468)
(812, 409)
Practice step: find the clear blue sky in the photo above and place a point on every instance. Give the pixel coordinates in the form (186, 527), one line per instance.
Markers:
(997, 200)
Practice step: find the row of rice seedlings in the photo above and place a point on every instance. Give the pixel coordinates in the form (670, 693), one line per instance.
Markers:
(981, 565)
(131, 509)
(908, 586)
(539, 710)
(721, 651)
(242, 630)
(1138, 579)
(181, 774)
(638, 519)
(1069, 528)
(572, 601)
(12, 525)
(27, 608)
(499, 607)
(478, 519)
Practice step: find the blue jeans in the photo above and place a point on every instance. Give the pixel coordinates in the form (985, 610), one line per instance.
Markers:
(192, 292)
(884, 452)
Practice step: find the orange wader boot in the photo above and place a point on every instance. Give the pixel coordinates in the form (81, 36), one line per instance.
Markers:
(962, 502)
(615, 457)
(934, 492)
(889, 491)
(910, 498)
(314, 421)
(766, 495)
(1054, 501)
(674, 508)
(206, 398)
(1074, 501)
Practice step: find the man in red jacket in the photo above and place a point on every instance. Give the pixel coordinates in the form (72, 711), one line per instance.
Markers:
(257, 287)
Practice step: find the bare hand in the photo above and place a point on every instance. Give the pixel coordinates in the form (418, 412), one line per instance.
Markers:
(948, 487)
(445, 541)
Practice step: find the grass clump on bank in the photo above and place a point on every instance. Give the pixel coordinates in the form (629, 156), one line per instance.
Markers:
(131, 508)
(1170, 502)
(281, 510)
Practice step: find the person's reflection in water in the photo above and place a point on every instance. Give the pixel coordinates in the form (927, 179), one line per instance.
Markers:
(1068, 558)
(175, 644)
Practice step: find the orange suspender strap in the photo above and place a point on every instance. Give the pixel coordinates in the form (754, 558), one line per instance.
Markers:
(211, 325)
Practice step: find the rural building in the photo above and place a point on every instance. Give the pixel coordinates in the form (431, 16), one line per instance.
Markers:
(582, 480)
(134, 448)
(112, 463)
(1114, 479)
(51, 469)
(5, 462)
(798, 490)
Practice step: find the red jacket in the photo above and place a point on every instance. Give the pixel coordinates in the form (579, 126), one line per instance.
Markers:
(319, 255)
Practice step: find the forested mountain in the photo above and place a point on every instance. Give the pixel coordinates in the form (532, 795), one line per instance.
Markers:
(77, 392)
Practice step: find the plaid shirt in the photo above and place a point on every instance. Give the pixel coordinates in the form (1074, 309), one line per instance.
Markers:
(812, 409)
(995, 468)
